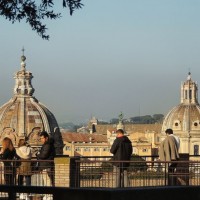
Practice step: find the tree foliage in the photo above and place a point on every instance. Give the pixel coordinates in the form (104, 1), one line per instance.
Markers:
(138, 165)
(147, 119)
(114, 121)
(34, 12)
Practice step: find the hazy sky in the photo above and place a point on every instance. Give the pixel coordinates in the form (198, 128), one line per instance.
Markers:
(111, 56)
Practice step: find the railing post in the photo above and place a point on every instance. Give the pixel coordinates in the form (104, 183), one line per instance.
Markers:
(166, 176)
(74, 172)
(182, 170)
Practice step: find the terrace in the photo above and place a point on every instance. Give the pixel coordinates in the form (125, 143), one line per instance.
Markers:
(94, 175)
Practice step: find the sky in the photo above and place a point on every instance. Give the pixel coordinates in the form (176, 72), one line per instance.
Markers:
(109, 57)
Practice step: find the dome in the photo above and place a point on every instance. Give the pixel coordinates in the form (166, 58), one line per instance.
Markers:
(23, 116)
(184, 118)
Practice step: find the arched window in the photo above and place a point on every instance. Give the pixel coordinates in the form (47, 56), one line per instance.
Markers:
(196, 150)
(190, 94)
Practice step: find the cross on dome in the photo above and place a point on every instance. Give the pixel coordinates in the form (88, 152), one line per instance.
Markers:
(23, 58)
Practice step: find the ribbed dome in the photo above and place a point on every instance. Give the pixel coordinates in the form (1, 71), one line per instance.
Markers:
(24, 117)
(183, 119)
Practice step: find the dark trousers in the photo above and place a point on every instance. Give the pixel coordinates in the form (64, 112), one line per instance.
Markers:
(9, 179)
(9, 175)
(21, 179)
(171, 174)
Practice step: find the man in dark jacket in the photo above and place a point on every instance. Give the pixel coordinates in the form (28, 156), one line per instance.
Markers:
(122, 151)
(47, 152)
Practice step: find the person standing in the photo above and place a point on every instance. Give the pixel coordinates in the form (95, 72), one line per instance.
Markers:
(47, 152)
(168, 152)
(8, 153)
(24, 153)
(122, 151)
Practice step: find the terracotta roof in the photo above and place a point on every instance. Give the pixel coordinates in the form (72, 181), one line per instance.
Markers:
(130, 128)
(84, 137)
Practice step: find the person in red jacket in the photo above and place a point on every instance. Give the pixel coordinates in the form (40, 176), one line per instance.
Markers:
(122, 151)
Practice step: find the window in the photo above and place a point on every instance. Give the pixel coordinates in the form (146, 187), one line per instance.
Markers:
(157, 139)
(185, 94)
(67, 148)
(176, 124)
(190, 94)
(96, 149)
(77, 149)
(196, 150)
(86, 149)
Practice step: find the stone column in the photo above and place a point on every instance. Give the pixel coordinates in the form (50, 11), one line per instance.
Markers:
(67, 171)
(62, 171)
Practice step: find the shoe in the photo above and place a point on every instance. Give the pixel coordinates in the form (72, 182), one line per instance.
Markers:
(24, 197)
(47, 197)
(27, 197)
(21, 196)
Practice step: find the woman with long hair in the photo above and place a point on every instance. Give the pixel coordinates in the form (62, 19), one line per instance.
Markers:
(24, 152)
(8, 153)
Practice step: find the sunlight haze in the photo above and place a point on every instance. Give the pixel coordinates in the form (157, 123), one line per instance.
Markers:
(109, 57)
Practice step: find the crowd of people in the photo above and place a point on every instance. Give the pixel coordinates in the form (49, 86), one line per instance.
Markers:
(18, 166)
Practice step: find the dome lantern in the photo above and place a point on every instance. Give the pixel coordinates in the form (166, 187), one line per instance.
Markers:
(189, 91)
(184, 118)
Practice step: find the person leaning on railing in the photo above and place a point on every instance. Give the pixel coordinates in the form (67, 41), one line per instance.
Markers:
(24, 152)
(47, 152)
(168, 152)
(7, 154)
(122, 151)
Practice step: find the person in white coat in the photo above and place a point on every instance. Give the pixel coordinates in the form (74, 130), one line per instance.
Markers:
(24, 153)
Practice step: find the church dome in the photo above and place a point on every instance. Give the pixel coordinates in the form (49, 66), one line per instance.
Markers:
(23, 116)
(184, 118)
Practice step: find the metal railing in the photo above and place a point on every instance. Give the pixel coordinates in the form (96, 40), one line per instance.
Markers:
(142, 173)
(138, 174)
(102, 172)
(26, 173)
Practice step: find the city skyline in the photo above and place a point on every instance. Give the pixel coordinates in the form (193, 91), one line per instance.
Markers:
(107, 58)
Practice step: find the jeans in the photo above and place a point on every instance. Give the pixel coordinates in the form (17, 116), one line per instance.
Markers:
(47, 176)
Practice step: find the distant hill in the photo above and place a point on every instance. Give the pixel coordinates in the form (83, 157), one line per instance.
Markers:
(69, 126)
